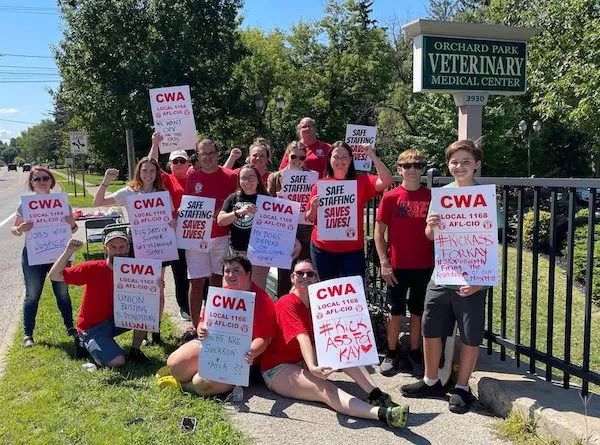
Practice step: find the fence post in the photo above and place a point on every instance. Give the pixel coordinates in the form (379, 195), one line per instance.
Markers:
(431, 173)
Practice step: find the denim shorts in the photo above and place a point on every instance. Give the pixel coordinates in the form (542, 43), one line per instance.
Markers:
(270, 374)
(100, 342)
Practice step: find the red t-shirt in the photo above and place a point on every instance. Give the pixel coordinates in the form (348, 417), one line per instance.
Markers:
(218, 185)
(316, 157)
(405, 212)
(293, 319)
(365, 190)
(264, 177)
(97, 302)
(176, 188)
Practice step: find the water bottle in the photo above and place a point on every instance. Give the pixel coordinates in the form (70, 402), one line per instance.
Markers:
(237, 395)
(89, 367)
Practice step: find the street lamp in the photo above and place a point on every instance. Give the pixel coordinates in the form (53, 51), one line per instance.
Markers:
(526, 136)
(259, 103)
(280, 102)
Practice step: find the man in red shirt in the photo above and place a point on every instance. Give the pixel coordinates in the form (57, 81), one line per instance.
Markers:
(316, 151)
(406, 258)
(95, 322)
(211, 181)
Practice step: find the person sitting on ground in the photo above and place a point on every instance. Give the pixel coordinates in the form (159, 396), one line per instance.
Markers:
(289, 365)
(183, 363)
(95, 324)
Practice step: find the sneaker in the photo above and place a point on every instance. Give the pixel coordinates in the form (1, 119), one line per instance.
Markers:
(397, 416)
(136, 355)
(421, 390)
(28, 341)
(383, 400)
(184, 315)
(168, 381)
(72, 332)
(79, 349)
(388, 366)
(189, 335)
(460, 401)
(415, 358)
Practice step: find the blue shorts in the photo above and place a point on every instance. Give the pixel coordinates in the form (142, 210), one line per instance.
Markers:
(100, 342)
(270, 374)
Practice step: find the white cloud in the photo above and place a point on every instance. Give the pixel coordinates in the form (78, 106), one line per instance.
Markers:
(8, 110)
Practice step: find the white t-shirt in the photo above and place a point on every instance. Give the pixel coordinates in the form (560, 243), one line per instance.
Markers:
(121, 195)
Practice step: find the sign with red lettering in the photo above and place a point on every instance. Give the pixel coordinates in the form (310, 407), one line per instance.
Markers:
(296, 185)
(174, 118)
(337, 218)
(194, 223)
(137, 285)
(150, 215)
(356, 136)
(273, 232)
(228, 319)
(50, 234)
(466, 240)
(342, 326)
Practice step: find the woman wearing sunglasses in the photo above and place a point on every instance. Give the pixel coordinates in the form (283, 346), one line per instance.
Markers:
(289, 365)
(41, 181)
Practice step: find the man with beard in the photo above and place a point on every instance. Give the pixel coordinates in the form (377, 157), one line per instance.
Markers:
(95, 323)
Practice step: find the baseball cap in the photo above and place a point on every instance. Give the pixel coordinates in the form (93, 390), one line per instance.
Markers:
(115, 234)
(179, 154)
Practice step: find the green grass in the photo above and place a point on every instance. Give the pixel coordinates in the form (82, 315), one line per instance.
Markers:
(90, 180)
(520, 430)
(48, 398)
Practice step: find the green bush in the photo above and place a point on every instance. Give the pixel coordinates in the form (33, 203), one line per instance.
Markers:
(544, 230)
(580, 259)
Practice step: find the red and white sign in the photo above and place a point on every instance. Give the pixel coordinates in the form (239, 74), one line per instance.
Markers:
(296, 185)
(466, 240)
(137, 293)
(228, 319)
(149, 215)
(356, 136)
(194, 222)
(337, 218)
(174, 118)
(341, 323)
(273, 232)
(50, 234)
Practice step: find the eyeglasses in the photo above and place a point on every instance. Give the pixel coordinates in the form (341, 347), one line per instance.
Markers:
(40, 178)
(415, 165)
(305, 273)
(302, 158)
(248, 178)
(340, 158)
(179, 161)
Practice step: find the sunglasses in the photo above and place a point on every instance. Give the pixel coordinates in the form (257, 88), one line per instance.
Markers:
(40, 178)
(408, 166)
(302, 158)
(179, 161)
(305, 273)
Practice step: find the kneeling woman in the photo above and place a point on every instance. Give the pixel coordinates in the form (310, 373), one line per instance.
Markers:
(183, 363)
(289, 366)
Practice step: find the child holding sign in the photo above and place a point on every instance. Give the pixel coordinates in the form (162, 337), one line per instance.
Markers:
(289, 365)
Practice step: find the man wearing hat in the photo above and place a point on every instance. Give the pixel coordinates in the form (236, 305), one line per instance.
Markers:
(95, 323)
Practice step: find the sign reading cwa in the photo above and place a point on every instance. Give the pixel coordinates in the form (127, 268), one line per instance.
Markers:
(456, 64)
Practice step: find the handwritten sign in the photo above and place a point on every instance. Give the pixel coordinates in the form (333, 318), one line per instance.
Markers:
(466, 241)
(228, 320)
(149, 215)
(356, 135)
(337, 218)
(50, 233)
(194, 222)
(296, 185)
(342, 326)
(137, 293)
(174, 118)
(273, 232)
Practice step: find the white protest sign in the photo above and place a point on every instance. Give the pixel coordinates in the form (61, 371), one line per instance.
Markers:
(273, 232)
(137, 293)
(337, 218)
(174, 118)
(342, 326)
(296, 185)
(356, 135)
(194, 222)
(50, 234)
(149, 215)
(78, 143)
(228, 319)
(466, 240)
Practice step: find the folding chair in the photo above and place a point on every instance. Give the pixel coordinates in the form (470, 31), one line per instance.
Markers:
(93, 225)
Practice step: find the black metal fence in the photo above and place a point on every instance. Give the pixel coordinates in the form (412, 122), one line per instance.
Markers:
(543, 231)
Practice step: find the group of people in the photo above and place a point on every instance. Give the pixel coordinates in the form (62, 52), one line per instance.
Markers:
(283, 339)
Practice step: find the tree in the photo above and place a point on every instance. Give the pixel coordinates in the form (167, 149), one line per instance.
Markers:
(43, 141)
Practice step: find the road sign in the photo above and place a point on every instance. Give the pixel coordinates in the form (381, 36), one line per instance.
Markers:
(68, 161)
(79, 142)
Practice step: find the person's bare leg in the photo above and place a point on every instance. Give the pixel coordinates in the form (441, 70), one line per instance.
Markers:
(468, 360)
(195, 296)
(205, 387)
(183, 362)
(415, 332)
(432, 350)
(393, 328)
(362, 378)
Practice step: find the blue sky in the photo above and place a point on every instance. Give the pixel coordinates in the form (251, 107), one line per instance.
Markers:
(30, 27)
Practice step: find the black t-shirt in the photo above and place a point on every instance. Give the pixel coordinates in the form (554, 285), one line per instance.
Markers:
(240, 229)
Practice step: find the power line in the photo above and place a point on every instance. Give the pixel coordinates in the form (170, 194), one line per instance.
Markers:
(29, 67)
(31, 81)
(25, 55)
(19, 122)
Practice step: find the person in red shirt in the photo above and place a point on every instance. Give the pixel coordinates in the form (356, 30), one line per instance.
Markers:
(259, 156)
(183, 363)
(406, 257)
(95, 323)
(289, 365)
(316, 151)
(216, 182)
(335, 259)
